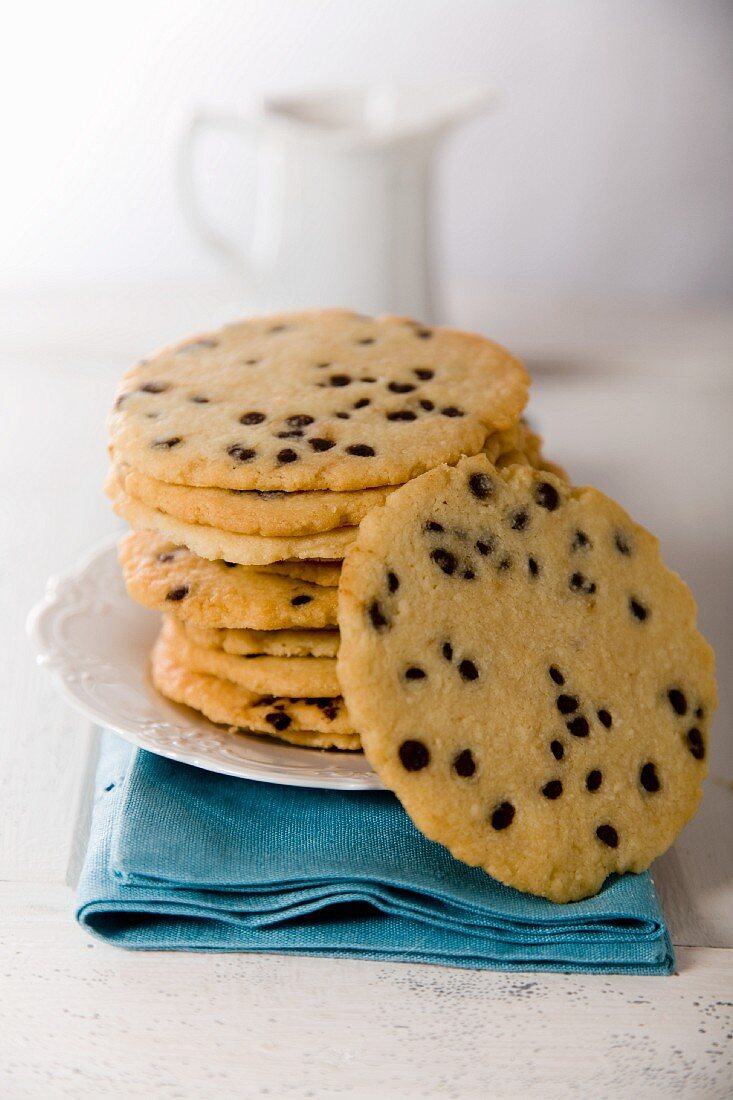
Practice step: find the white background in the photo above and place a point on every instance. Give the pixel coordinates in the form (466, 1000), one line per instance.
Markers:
(608, 166)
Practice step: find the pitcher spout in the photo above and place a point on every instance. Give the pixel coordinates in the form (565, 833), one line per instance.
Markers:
(380, 115)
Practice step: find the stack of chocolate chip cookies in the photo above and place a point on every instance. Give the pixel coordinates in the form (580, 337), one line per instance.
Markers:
(245, 460)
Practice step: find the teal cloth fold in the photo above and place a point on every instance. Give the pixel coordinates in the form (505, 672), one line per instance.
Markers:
(184, 859)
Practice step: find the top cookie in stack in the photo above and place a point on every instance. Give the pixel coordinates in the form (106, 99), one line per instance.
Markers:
(267, 443)
(318, 400)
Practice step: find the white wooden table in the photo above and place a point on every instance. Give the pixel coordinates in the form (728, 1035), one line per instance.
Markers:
(639, 401)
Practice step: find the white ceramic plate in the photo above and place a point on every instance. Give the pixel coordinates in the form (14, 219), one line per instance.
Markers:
(95, 640)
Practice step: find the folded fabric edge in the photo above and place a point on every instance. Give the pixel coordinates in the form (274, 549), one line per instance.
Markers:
(299, 898)
(120, 925)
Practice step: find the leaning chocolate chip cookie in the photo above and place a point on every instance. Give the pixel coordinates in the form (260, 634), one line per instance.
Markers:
(316, 400)
(526, 675)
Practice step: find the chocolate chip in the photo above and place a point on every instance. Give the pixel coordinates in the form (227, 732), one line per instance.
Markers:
(481, 485)
(361, 450)
(580, 541)
(593, 780)
(447, 651)
(445, 560)
(324, 704)
(401, 387)
(287, 455)
(557, 749)
(177, 594)
(278, 720)
(622, 543)
(678, 700)
(231, 564)
(452, 410)
(402, 414)
(608, 835)
(166, 444)
(241, 453)
(427, 405)
(299, 601)
(300, 420)
(468, 670)
(321, 444)
(199, 399)
(252, 418)
(362, 403)
(464, 764)
(415, 673)
(695, 743)
(414, 756)
(637, 609)
(604, 718)
(578, 726)
(580, 583)
(367, 378)
(556, 676)
(432, 525)
(533, 567)
(423, 333)
(699, 713)
(424, 374)
(553, 789)
(468, 575)
(547, 496)
(485, 546)
(649, 779)
(393, 582)
(502, 816)
(251, 362)
(339, 380)
(504, 564)
(518, 521)
(294, 433)
(366, 340)
(378, 619)
(566, 704)
(343, 415)
(155, 387)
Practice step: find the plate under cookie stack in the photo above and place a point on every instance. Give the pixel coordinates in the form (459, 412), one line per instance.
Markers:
(245, 460)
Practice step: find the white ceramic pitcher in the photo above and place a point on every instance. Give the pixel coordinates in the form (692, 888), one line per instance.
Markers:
(342, 213)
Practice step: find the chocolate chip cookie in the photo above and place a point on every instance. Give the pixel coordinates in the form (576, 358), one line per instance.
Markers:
(315, 400)
(526, 675)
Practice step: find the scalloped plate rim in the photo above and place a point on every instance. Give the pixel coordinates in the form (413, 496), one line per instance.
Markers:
(56, 603)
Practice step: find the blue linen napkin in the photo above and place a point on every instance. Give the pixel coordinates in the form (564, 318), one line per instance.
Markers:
(184, 859)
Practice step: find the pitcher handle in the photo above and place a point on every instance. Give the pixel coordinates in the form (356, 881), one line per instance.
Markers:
(189, 198)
